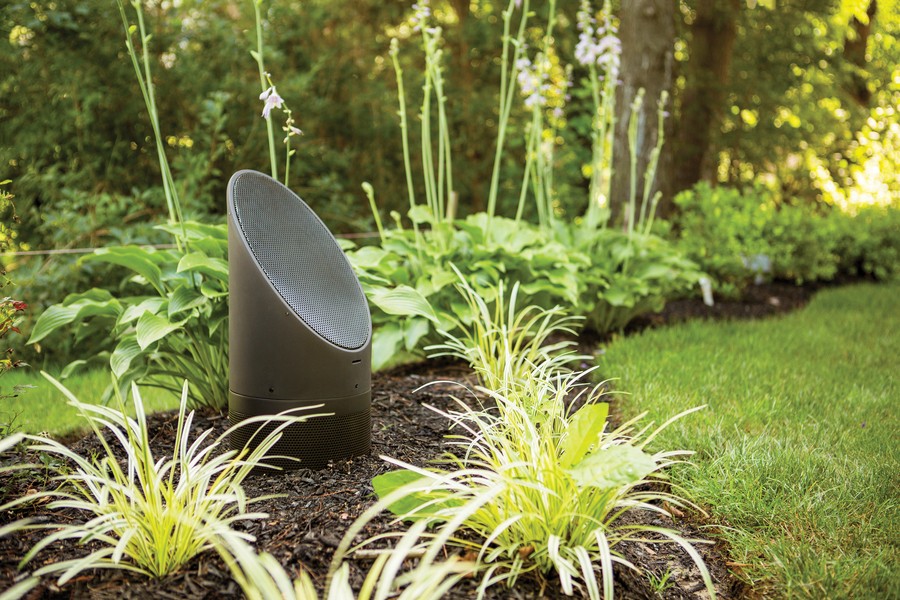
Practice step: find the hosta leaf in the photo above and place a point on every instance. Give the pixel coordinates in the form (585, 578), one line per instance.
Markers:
(583, 432)
(198, 262)
(653, 271)
(420, 214)
(126, 351)
(402, 300)
(415, 330)
(185, 298)
(367, 257)
(616, 296)
(75, 307)
(213, 290)
(151, 328)
(613, 467)
(134, 312)
(386, 342)
(143, 261)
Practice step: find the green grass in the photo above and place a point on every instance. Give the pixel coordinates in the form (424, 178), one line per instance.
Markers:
(44, 408)
(798, 452)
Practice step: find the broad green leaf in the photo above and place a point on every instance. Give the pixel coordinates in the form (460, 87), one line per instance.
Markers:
(613, 467)
(653, 271)
(75, 307)
(134, 312)
(616, 296)
(386, 342)
(143, 261)
(367, 257)
(583, 432)
(420, 214)
(415, 330)
(151, 328)
(213, 289)
(198, 262)
(391, 481)
(402, 300)
(185, 298)
(71, 368)
(126, 351)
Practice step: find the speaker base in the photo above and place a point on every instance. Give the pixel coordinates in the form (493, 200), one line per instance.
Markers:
(310, 444)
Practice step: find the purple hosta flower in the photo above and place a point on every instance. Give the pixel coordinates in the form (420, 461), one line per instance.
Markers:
(272, 100)
(533, 81)
(585, 18)
(421, 13)
(597, 45)
(291, 131)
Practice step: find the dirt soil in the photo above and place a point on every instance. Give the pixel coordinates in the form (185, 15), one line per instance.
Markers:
(314, 508)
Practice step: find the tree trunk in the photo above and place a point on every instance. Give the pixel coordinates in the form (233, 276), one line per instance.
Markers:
(647, 32)
(713, 34)
(855, 53)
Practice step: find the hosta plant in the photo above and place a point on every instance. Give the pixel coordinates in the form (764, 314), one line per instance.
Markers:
(421, 266)
(638, 271)
(170, 319)
(143, 513)
(543, 495)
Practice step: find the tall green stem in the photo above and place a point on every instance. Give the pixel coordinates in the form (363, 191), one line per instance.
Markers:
(264, 85)
(404, 134)
(145, 82)
(507, 93)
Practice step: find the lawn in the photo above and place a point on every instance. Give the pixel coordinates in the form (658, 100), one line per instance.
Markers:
(798, 460)
(44, 408)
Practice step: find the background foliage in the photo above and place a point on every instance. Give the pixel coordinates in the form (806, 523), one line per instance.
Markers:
(802, 113)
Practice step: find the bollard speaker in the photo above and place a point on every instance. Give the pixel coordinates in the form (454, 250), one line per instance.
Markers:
(299, 327)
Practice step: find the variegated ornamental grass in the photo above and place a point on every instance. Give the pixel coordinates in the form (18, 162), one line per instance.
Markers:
(541, 485)
(142, 513)
(262, 577)
(543, 490)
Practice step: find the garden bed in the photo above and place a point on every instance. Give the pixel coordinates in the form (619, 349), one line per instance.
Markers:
(307, 521)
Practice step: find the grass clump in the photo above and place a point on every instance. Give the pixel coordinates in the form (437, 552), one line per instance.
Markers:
(145, 514)
(537, 486)
(797, 454)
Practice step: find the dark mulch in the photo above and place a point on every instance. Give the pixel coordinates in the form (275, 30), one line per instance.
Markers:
(306, 523)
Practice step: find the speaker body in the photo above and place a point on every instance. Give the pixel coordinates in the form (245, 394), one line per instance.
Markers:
(299, 326)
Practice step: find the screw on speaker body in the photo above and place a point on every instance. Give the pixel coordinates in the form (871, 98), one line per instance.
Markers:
(299, 327)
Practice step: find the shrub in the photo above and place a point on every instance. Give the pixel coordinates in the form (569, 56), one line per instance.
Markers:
(630, 275)
(503, 345)
(541, 493)
(741, 237)
(867, 243)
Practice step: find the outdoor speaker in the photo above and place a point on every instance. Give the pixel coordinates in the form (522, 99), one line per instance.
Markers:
(299, 327)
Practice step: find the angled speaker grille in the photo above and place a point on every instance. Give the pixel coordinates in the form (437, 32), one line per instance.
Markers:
(301, 258)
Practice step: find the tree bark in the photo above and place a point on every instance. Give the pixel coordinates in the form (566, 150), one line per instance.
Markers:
(713, 35)
(647, 33)
(855, 53)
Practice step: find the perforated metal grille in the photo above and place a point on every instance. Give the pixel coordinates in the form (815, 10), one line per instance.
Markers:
(302, 260)
(314, 442)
